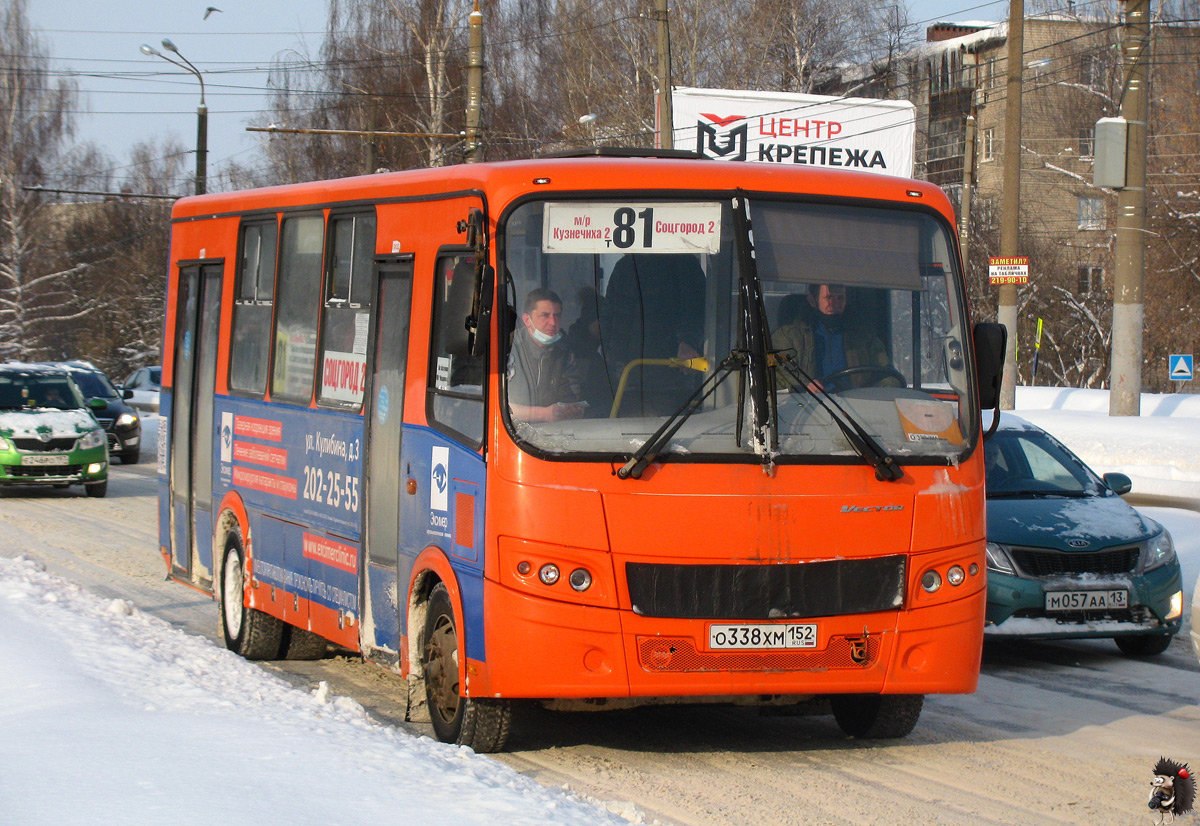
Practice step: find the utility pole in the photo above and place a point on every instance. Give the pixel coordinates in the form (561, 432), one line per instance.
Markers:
(666, 119)
(474, 82)
(964, 221)
(1125, 382)
(1010, 204)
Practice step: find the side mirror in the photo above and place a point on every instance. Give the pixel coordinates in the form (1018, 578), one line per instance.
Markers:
(127, 394)
(1118, 483)
(990, 341)
(97, 404)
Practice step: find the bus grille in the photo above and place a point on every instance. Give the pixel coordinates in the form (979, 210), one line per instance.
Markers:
(1052, 563)
(680, 654)
(767, 592)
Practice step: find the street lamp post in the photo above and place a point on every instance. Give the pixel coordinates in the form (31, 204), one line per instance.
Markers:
(201, 110)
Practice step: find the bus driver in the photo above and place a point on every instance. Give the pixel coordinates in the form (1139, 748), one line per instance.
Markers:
(825, 338)
(544, 379)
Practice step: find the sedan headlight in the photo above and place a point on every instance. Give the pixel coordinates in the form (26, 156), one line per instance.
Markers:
(126, 419)
(5, 444)
(1158, 551)
(999, 560)
(93, 438)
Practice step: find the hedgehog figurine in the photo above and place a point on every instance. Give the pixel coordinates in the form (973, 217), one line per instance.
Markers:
(1172, 791)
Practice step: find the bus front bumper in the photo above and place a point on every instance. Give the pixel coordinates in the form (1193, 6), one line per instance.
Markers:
(552, 649)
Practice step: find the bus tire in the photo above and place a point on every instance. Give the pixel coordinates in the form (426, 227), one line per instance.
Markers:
(301, 644)
(877, 716)
(481, 723)
(247, 631)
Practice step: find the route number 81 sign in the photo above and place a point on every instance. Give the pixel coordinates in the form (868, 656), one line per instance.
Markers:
(633, 227)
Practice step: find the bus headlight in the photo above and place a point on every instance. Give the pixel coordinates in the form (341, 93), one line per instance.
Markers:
(580, 579)
(91, 439)
(931, 581)
(548, 573)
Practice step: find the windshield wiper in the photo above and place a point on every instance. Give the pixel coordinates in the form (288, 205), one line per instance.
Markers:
(650, 449)
(886, 469)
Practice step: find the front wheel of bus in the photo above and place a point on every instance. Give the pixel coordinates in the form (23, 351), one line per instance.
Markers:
(482, 724)
(877, 716)
(247, 631)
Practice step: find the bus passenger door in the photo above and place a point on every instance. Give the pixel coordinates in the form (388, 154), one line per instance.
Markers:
(198, 316)
(384, 590)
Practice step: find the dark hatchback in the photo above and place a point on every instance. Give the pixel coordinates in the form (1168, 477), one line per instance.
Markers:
(120, 421)
(1067, 557)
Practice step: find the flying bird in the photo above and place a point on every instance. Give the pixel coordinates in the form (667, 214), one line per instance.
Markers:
(209, 11)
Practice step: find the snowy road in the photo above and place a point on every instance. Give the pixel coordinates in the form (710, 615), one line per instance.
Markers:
(1057, 733)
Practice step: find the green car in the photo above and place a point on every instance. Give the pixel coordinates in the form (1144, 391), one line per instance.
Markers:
(1067, 556)
(48, 435)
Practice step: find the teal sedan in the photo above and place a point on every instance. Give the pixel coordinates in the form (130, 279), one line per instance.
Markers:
(1066, 556)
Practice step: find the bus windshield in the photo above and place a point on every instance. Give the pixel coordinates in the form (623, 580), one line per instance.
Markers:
(629, 312)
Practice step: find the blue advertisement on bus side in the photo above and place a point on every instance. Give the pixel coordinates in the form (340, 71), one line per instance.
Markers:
(300, 464)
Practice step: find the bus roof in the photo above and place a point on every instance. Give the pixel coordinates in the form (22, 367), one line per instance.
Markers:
(505, 180)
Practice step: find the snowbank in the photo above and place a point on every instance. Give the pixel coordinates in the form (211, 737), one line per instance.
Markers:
(113, 716)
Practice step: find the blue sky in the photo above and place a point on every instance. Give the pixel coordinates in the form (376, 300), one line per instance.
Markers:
(131, 97)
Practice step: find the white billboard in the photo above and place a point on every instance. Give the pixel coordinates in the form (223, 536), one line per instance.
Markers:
(862, 134)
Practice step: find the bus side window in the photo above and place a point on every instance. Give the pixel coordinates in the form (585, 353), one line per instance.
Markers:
(255, 295)
(456, 378)
(300, 250)
(347, 312)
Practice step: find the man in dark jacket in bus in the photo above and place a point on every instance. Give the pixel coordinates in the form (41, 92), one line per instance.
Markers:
(825, 338)
(544, 379)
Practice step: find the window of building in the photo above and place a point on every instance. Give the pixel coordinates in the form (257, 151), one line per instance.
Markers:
(1091, 280)
(1091, 212)
(299, 300)
(1087, 141)
(346, 319)
(945, 138)
(456, 377)
(250, 341)
(988, 149)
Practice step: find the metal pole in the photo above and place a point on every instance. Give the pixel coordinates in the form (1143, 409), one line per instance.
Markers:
(474, 82)
(1010, 205)
(666, 118)
(964, 224)
(201, 149)
(1125, 383)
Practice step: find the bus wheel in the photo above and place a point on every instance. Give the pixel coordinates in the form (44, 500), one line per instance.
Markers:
(248, 631)
(482, 724)
(301, 644)
(881, 716)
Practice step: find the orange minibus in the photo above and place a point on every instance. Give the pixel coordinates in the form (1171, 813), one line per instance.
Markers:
(592, 432)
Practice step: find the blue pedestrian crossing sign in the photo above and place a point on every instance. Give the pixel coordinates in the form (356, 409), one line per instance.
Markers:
(1180, 367)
